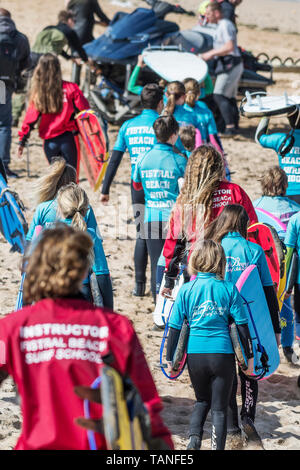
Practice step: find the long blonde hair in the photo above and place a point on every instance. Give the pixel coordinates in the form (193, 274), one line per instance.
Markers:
(58, 174)
(73, 203)
(46, 93)
(192, 89)
(203, 174)
(174, 91)
(58, 263)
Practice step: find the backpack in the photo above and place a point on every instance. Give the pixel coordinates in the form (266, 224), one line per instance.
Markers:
(8, 57)
(50, 40)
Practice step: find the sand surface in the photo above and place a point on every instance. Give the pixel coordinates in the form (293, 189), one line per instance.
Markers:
(278, 411)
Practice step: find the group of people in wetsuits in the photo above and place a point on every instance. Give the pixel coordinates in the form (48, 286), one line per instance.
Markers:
(187, 210)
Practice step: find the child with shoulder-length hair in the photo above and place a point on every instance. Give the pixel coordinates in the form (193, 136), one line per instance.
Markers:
(72, 208)
(209, 303)
(53, 103)
(57, 342)
(230, 229)
(203, 196)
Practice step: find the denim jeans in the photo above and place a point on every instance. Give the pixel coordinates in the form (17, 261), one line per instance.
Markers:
(5, 128)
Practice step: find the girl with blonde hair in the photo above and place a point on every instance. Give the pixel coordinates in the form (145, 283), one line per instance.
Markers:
(61, 175)
(209, 304)
(202, 198)
(53, 103)
(57, 343)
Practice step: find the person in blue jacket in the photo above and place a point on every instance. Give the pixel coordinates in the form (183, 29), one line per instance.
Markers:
(287, 147)
(137, 136)
(230, 229)
(59, 175)
(292, 242)
(209, 303)
(274, 184)
(158, 172)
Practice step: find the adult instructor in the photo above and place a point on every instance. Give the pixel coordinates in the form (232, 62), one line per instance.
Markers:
(228, 67)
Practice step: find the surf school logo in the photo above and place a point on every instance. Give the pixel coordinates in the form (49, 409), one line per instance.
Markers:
(208, 309)
(235, 264)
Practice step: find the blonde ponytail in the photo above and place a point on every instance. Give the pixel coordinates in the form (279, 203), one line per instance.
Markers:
(192, 89)
(73, 203)
(58, 174)
(174, 91)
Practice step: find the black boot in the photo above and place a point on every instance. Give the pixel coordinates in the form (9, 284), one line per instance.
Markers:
(139, 289)
(194, 443)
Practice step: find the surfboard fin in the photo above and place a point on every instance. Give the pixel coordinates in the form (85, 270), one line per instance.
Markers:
(126, 420)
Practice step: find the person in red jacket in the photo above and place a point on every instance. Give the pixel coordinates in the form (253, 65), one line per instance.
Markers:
(53, 102)
(202, 198)
(57, 342)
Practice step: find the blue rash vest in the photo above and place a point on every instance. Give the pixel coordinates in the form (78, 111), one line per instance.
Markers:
(158, 171)
(207, 302)
(46, 215)
(137, 135)
(281, 207)
(292, 237)
(290, 163)
(240, 253)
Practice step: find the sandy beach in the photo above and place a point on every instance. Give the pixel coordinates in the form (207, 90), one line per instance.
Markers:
(264, 26)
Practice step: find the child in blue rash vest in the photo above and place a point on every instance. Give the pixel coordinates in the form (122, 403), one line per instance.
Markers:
(137, 136)
(208, 303)
(230, 229)
(174, 104)
(73, 206)
(292, 242)
(58, 175)
(287, 148)
(274, 184)
(157, 172)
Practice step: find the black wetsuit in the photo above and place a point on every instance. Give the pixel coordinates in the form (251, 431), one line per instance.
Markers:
(84, 11)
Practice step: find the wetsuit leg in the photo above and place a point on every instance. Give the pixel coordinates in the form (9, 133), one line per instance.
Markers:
(212, 378)
(156, 233)
(62, 146)
(232, 413)
(297, 310)
(287, 324)
(249, 392)
(226, 109)
(140, 251)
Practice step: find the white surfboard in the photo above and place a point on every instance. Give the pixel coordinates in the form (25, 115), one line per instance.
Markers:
(164, 305)
(175, 65)
(260, 104)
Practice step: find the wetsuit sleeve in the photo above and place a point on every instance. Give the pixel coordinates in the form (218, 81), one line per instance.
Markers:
(208, 85)
(136, 179)
(31, 118)
(79, 100)
(111, 171)
(65, 55)
(173, 338)
(98, 11)
(36, 220)
(132, 87)
(176, 320)
(173, 251)
(272, 141)
(245, 338)
(273, 307)
(138, 370)
(75, 44)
